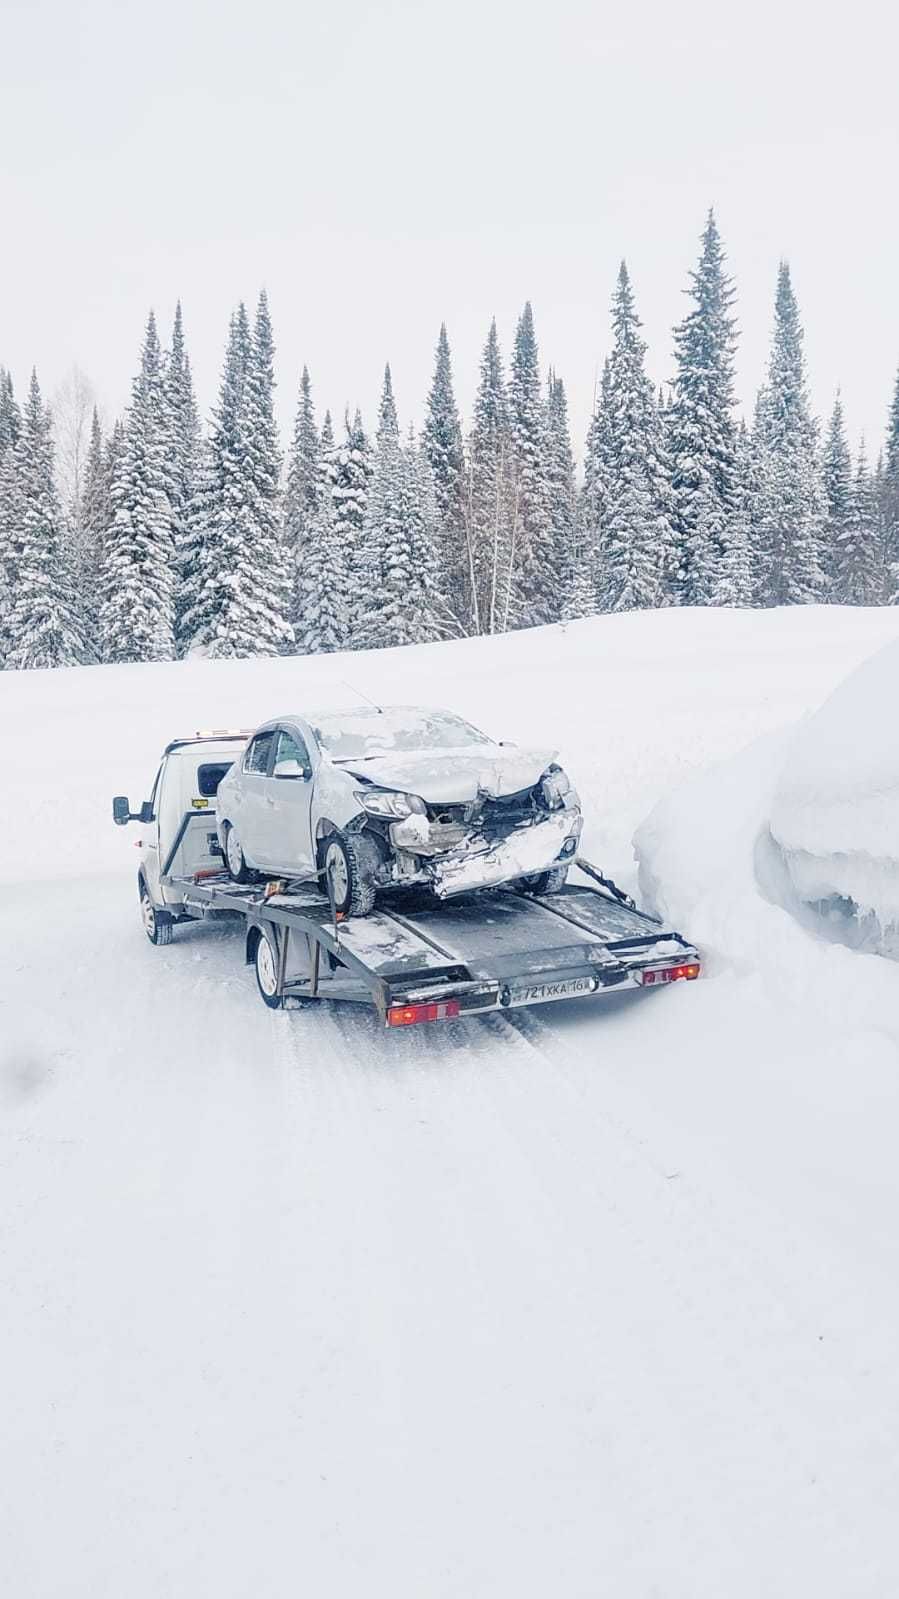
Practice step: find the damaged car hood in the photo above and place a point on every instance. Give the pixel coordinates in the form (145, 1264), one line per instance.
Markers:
(454, 777)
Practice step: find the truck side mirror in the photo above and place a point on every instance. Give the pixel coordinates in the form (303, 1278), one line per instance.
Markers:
(145, 814)
(121, 810)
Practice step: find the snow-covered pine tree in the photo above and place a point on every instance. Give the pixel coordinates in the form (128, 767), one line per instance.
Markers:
(42, 624)
(204, 574)
(889, 502)
(573, 563)
(836, 474)
(535, 582)
(10, 428)
(701, 428)
(323, 581)
(182, 466)
(488, 500)
(442, 444)
(267, 598)
(353, 470)
(137, 610)
(388, 422)
(94, 518)
(793, 509)
(593, 502)
(858, 567)
(636, 537)
(300, 494)
(401, 526)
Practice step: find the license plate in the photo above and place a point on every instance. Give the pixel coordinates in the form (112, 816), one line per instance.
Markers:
(541, 993)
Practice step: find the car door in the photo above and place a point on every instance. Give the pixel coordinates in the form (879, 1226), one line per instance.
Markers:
(248, 803)
(287, 805)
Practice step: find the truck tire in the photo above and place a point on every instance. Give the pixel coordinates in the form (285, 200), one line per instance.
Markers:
(265, 960)
(157, 930)
(238, 870)
(549, 882)
(350, 863)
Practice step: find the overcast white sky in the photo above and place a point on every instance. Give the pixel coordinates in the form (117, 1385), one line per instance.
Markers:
(382, 167)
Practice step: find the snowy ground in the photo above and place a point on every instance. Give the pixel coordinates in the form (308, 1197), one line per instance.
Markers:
(598, 1301)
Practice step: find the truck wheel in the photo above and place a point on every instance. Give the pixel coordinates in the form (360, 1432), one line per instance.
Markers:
(351, 861)
(238, 869)
(158, 932)
(266, 962)
(545, 882)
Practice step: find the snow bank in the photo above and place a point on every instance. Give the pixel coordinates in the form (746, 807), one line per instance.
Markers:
(835, 813)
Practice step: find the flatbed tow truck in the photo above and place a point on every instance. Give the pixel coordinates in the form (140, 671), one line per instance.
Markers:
(420, 960)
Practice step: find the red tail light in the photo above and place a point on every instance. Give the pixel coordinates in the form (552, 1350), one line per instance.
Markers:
(672, 974)
(407, 1015)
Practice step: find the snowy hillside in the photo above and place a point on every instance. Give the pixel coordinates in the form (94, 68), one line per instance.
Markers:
(590, 1302)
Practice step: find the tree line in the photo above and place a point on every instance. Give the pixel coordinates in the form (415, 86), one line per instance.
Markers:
(173, 538)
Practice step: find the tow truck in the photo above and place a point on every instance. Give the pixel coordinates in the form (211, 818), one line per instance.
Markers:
(494, 949)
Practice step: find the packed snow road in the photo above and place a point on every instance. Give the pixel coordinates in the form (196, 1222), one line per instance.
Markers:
(596, 1300)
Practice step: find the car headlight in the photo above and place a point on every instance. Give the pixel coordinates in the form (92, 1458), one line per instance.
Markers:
(384, 802)
(555, 786)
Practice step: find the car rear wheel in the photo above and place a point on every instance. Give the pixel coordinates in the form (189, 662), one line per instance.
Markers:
(350, 863)
(158, 932)
(234, 857)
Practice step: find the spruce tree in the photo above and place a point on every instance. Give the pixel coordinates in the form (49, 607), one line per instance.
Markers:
(42, 626)
(836, 474)
(94, 519)
(793, 510)
(300, 495)
(488, 502)
(442, 444)
(858, 568)
(388, 422)
(137, 610)
(889, 501)
(593, 506)
(10, 429)
(636, 533)
(701, 428)
(322, 578)
(534, 577)
(353, 464)
(182, 463)
(400, 535)
(570, 562)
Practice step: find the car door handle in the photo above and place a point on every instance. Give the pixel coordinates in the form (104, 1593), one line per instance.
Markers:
(270, 802)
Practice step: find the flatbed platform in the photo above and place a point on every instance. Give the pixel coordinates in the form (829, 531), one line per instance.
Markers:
(417, 959)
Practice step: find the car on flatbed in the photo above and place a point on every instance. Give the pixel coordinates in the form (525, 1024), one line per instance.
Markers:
(395, 798)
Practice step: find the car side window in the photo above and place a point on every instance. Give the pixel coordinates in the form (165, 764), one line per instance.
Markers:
(292, 748)
(256, 758)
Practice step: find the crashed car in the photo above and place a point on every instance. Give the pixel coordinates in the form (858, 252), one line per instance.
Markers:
(401, 797)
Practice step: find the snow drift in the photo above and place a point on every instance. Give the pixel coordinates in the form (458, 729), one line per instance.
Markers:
(835, 811)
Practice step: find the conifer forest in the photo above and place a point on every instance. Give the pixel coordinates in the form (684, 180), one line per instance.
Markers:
(174, 535)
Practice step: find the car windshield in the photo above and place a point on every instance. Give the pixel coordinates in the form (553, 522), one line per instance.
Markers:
(363, 735)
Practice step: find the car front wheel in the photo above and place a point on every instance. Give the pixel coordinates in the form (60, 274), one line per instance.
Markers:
(545, 882)
(350, 863)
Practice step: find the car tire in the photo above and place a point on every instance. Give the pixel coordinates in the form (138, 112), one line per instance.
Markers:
(350, 861)
(159, 932)
(549, 882)
(238, 870)
(265, 960)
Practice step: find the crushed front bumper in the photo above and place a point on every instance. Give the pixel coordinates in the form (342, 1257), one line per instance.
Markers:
(523, 852)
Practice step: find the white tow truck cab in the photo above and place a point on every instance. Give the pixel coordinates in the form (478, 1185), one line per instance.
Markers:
(179, 835)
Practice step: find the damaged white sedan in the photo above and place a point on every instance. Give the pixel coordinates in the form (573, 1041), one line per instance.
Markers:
(401, 797)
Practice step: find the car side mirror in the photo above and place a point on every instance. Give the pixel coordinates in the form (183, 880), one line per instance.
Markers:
(121, 810)
(293, 769)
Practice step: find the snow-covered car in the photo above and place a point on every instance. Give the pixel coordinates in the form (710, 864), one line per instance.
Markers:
(393, 798)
